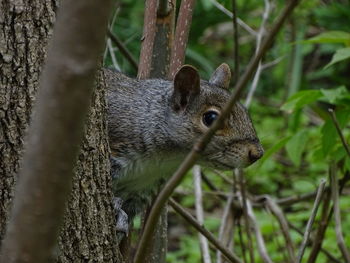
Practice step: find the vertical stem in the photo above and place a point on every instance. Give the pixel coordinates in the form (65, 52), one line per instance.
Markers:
(310, 222)
(149, 32)
(236, 43)
(245, 214)
(199, 212)
(183, 24)
(337, 218)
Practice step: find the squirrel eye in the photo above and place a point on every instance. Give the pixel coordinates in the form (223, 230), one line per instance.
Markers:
(209, 117)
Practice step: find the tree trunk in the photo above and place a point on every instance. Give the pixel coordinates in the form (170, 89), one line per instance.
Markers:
(25, 28)
(88, 233)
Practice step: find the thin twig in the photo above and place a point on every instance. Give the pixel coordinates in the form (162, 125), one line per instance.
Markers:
(326, 215)
(259, 38)
(111, 52)
(202, 142)
(230, 14)
(199, 212)
(272, 63)
(241, 242)
(337, 217)
(311, 242)
(258, 236)
(223, 225)
(310, 222)
(211, 238)
(126, 53)
(337, 126)
(245, 214)
(277, 212)
(321, 230)
(235, 40)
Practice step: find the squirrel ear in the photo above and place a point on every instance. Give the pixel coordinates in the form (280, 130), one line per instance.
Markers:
(186, 86)
(221, 76)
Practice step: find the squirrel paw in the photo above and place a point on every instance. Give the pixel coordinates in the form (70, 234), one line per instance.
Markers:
(121, 217)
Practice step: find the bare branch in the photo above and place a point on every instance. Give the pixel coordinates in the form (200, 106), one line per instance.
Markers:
(235, 41)
(56, 131)
(201, 143)
(224, 225)
(111, 52)
(321, 230)
(258, 236)
(277, 212)
(149, 32)
(230, 14)
(337, 126)
(199, 212)
(200, 228)
(245, 214)
(164, 39)
(162, 44)
(259, 38)
(183, 24)
(310, 222)
(337, 218)
(125, 52)
(325, 219)
(311, 242)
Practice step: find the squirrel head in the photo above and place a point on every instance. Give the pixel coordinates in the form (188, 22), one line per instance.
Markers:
(194, 106)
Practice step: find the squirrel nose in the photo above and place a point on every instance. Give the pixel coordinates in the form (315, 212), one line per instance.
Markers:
(255, 153)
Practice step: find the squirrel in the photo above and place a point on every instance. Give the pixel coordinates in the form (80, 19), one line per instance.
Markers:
(153, 124)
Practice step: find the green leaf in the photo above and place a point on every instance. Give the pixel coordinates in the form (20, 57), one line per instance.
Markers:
(329, 137)
(339, 55)
(296, 146)
(343, 117)
(273, 150)
(330, 37)
(332, 95)
(300, 99)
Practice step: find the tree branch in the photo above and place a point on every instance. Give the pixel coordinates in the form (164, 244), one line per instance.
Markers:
(126, 53)
(149, 32)
(200, 228)
(199, 212)
(337, 218)
(310, 222)
(183, 24)
(337, 126)
(56, 131)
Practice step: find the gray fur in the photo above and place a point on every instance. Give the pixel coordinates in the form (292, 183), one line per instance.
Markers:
(149, 136)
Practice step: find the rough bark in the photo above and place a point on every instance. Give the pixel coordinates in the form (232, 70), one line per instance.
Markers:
(88, 232)
(25, 28)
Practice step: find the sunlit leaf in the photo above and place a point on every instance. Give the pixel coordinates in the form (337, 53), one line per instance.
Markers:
(300, 99)
(332, 95)
(330, 37)
(339, 55)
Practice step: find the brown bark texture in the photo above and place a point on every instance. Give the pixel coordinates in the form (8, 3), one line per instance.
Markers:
(149, 32)
(88, 232)
(25, 29)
